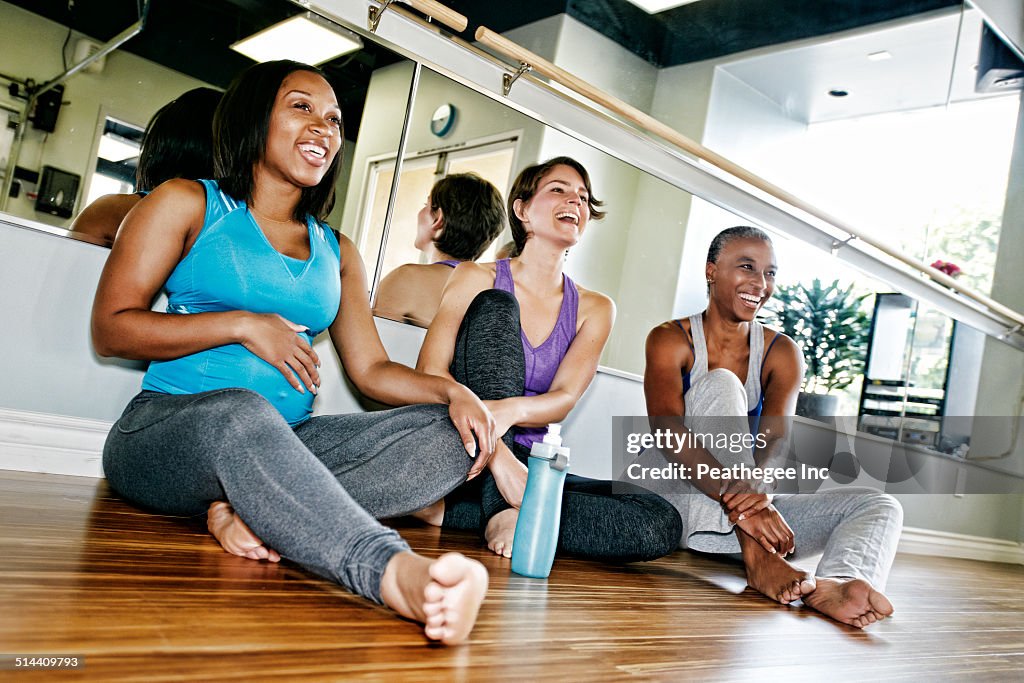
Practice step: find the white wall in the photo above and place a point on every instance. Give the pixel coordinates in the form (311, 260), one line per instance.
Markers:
(129, 88)
(1008, 18)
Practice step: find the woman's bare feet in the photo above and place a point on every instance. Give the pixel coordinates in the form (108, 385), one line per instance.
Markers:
(234, 535)
(432, 514)
(509, 474)
(769, 574)
(851, 601)
(443, 594)
(500, 531)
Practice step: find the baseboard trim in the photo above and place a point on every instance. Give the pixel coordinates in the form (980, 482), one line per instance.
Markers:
(51, 444)
(916, 541)
(59, 444)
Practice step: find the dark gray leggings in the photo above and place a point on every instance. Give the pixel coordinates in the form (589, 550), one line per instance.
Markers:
(628, 525)
(311, 493)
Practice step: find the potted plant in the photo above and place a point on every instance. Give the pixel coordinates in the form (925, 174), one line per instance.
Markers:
(832, 329)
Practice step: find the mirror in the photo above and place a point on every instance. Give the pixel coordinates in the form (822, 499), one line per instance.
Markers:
(184, 45)
(622, 255)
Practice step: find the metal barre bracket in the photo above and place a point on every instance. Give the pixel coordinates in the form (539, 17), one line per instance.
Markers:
(1010, 331)
(374, 14)
(839, 244)
(508, 79)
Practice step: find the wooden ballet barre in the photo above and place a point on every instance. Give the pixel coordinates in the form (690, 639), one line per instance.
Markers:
(644, 121)
(435, 10)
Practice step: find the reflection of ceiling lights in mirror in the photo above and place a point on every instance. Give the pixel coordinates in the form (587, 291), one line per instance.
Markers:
(304, 38)
(655, 6)
(114, 149)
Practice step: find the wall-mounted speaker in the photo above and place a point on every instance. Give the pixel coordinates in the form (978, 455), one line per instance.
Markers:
(57, 192)
(47, 109)
(999, 67)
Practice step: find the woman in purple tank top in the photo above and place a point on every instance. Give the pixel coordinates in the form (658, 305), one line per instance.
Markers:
(527, 340)
(462, 216)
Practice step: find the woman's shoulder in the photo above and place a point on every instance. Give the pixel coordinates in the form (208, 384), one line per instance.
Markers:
(473, 272)
(593, 302)
(780, 349)
(669, 333)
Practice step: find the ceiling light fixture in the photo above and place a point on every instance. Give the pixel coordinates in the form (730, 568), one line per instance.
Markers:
(655, 6)
(305, 38)
(880, 56)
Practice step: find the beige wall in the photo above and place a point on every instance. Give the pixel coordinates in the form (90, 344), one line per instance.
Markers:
(129, 88)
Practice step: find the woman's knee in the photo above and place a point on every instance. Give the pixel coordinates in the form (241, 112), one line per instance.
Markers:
(719, 393)
(884, 503)
(494, 309)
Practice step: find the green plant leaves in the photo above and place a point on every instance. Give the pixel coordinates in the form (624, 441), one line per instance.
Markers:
(828, 323)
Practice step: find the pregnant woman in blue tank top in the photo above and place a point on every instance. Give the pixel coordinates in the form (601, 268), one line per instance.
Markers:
(523, 336)
(223, 424)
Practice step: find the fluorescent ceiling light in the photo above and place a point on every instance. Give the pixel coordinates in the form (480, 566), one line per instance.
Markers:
(305, 38)
(113, 149)
(879, 56)
(655, 6)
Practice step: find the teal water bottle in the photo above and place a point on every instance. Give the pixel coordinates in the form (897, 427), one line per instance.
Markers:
(533, 546)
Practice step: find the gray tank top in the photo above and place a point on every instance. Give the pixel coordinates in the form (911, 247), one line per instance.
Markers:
(757, 354)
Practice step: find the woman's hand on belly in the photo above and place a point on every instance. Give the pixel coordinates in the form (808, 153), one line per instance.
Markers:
(277, 341)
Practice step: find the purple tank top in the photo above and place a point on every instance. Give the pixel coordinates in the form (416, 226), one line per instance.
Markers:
(542, 361)
(451, 263)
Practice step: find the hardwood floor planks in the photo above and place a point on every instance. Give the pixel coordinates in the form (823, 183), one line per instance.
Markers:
(149, 597)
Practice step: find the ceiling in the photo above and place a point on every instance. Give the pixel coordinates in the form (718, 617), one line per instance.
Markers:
(192, 36)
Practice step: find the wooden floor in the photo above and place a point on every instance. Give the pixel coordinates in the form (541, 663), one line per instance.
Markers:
(142, 597)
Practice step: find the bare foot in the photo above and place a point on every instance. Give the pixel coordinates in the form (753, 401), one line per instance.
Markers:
(500, 531)
(432, 514)
(770, 574)
(443, 594)
(851, 601)
(234, 535)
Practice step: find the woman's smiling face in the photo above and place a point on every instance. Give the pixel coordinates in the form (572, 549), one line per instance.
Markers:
(560, 208)
(743, 277)
(304, 134)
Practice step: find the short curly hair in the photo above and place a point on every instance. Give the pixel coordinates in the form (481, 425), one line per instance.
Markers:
(473, 213)
(739, 232)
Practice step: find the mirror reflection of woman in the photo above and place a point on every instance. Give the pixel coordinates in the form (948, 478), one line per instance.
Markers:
(178, 144)
(523, 336)
(225, 416)
(725, 371)
(462, 216)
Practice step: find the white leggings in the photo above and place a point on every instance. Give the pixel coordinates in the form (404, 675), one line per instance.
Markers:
(856, 530)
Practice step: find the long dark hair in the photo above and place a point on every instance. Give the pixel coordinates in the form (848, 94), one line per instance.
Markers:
(179, 140)
(240, 129)
(525, 187)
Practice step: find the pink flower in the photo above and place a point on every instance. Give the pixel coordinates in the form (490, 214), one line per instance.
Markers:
(950, 269)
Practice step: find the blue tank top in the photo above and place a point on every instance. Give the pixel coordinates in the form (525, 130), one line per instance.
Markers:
(542, 361)
(233, 267)
(451, 263)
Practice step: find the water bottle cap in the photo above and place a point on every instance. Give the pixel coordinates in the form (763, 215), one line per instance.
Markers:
(553, 436)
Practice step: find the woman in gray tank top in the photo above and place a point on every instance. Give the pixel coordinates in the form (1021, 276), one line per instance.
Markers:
(725, 372)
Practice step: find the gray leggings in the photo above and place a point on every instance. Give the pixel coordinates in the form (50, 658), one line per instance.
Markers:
(311, 493)
(623, 523)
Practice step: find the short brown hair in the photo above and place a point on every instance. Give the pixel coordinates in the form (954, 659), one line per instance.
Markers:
(473, 213)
